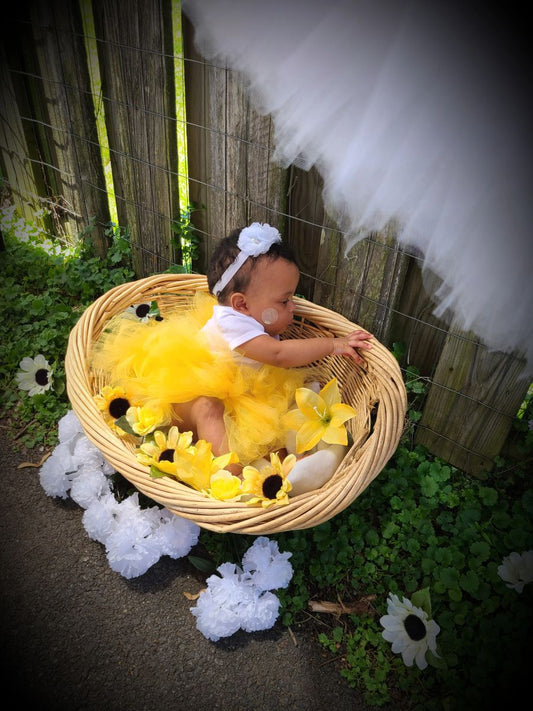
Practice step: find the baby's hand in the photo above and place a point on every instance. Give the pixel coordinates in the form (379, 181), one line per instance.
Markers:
(346, 345)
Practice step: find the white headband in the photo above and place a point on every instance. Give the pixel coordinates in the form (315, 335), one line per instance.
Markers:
(253, 240)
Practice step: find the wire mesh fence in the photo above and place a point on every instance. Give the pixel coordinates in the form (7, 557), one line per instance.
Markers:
(104, 120)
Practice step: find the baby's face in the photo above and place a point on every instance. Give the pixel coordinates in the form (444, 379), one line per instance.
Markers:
(269, 294)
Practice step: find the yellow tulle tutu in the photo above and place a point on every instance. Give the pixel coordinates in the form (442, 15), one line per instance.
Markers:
(169, 361)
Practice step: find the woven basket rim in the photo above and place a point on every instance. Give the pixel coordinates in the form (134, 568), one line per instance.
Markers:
(381, 381)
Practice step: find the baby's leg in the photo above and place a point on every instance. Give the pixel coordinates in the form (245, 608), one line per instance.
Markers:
(204, 417)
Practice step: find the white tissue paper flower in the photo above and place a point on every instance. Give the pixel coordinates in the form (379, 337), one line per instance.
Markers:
(517, 570)
(268, 567)
(135, 538)
(54, 479)
(85, 453)
(217, 610)
(213, 619)
(68, 426)
(241, 598)
(100, 518)
(130, 548)
(260, 612)
(176, 535)
(89, 484)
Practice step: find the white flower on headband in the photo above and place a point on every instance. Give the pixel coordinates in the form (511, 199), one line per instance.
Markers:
(257, 239)
(253, 241)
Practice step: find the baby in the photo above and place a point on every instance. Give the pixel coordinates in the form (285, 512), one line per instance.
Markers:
(254, 277)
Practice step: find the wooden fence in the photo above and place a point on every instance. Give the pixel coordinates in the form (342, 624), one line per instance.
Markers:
(51, 155)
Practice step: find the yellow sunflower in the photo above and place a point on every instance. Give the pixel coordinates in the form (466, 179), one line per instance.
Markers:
(319, 417)
(166, 452)
(270, 484)
(113, 403)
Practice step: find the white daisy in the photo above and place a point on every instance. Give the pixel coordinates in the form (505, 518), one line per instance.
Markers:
(35, 375)
(517, 570)
(144, 311)
(410, 631)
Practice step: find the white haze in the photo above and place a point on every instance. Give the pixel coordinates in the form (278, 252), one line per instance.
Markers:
(417, 111)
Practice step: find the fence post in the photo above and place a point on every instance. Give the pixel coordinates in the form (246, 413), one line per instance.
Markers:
(137, 69)
(79, 185)
(18, 146)
(231, 171)
(472, 401)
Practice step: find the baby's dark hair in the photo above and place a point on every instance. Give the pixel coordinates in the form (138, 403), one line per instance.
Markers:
(227, 251)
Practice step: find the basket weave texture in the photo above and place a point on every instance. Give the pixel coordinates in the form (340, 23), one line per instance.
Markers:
(376, 392)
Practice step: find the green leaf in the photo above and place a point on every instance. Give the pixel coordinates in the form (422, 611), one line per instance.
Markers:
(125, 426)
(156, 473)
(469, 581)
(203, 564)
(488, 495)
(481, 550)
(429, 486)
(435, 661)
(422, 599)
(372, 538)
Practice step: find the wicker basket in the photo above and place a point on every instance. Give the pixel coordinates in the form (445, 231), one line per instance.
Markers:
(377, 392)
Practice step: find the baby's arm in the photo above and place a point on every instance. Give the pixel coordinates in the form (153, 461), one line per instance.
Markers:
(302, 351)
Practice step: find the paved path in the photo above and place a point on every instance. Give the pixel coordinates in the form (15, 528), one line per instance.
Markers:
(77, 636)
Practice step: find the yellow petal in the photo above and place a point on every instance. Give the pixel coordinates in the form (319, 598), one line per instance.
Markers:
(223, 461)
(310, 404)
(225, 486)
(330, 393)
(287, 465)
(293, 420)
(340, 413)
(160, 440)
(308, 436)
(335, 435)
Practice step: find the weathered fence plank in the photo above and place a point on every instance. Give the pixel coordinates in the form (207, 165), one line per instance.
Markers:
(80, 193)
(364, 285)
(231, 171)
(414, 324)
(17, 147)
(471, 404)
(306, 212)
(136, 64)
(195, 106)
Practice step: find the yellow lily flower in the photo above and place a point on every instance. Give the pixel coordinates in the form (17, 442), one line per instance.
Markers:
(197, 466)
(269, 485)
(319, 417)
(165, 451)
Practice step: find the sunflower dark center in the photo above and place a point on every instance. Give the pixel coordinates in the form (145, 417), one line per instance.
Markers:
(271, 486)
(118, 407)
(414, 627)
(167, 455)
(142, 310)
(41, 376)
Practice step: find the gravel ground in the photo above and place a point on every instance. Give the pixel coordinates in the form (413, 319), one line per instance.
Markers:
(77, 636)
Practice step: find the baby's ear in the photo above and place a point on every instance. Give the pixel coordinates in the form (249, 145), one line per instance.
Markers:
(238, 302)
